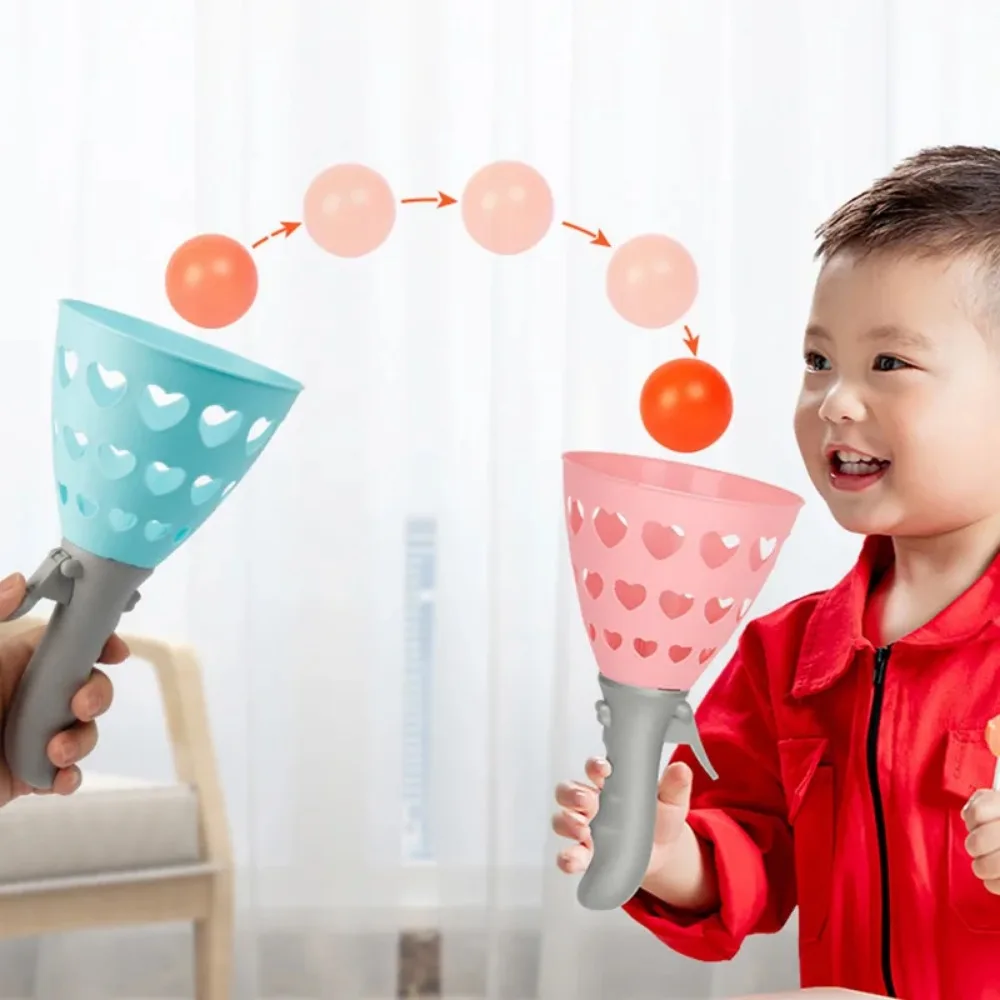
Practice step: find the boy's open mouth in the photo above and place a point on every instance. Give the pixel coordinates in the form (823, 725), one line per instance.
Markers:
(856, 463)
(853, 471)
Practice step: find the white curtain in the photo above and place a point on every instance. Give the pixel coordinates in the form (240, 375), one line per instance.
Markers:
(395, 665)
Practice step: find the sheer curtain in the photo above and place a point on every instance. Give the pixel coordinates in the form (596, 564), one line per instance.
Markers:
(395, 665)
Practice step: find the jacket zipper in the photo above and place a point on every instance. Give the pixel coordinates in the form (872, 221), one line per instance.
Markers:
(878, 682)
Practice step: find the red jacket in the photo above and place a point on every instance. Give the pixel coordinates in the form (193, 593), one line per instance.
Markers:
(843, 773)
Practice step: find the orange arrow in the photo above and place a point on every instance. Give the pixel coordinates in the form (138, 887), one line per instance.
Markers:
(598, 238)
(286, 227)
(690, 341)
(442, 199)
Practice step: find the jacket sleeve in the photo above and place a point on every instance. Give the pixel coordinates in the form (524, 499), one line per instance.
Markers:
(741, 816)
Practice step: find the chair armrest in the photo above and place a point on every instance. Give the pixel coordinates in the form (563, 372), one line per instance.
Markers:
(178, 673)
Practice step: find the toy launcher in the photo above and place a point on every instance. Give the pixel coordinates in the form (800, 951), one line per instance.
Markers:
(667, 559)
(152, 430)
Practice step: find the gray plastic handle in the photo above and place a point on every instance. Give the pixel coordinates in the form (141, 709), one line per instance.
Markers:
(91, 595)
(637, 723)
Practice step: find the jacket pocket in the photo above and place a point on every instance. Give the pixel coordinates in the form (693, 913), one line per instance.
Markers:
(809, 789)
(968, 765)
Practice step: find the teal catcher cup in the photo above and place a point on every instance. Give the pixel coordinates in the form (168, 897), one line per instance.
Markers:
(152, 429)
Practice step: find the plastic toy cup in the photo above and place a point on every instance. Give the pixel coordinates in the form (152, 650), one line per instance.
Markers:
(151, 431)
(668, 559)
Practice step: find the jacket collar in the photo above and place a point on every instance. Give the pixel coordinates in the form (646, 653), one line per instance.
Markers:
(834, 631)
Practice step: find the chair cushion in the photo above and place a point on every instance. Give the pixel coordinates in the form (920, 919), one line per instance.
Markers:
(109, 825)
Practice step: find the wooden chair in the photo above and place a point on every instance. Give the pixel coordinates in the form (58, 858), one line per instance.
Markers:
(121, 852)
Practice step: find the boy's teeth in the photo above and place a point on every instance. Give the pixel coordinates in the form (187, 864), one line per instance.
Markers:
(854, 463)
(859, 468)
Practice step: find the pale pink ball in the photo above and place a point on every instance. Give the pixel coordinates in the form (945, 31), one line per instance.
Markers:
(652, 281)
(507, 207)
(349, 210)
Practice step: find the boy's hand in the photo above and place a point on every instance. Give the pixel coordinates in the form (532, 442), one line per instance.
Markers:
(982, 819)
(93, 699)
(579, 803)
(678, 872)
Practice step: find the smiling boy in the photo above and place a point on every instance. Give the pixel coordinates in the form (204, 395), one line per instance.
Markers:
(848, 729)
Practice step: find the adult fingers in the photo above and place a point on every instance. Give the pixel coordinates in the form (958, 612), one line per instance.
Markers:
(67, 781)
(94, 698)
(73, 744)
(12, 590)
(115, 651)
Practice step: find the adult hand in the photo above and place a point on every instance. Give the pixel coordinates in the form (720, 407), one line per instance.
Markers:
(67, 748)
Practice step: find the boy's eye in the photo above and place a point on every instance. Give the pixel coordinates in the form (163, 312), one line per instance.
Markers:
(887, 363)
(815, 361)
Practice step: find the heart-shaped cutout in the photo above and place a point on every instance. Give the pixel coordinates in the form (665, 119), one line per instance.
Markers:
(163, 479)
(115, 463)
(678, 653)
(592, 632)
(717, 550)
(155, 530)
(66, 366)
(75, 442)
(705, 655)
(645, 647)
(661, 541)
(630, 595)
(258, 434)
(203, 489)
(574, 515)
(106, 387)
(716, 608)
(610, 528)
(217, 425)
(122, 520)
(744, 608)
(160, 410)
(761, 552)
(675, 605)
(86, 506)
(613, 639)
(593, 582)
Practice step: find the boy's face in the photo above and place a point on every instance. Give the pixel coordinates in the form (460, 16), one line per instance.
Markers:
(896, 370)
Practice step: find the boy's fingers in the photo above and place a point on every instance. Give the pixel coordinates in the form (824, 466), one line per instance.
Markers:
(675, 785)
(574, 859)
(572, 826)
(597, 771)
(578, 797)
(983, 807)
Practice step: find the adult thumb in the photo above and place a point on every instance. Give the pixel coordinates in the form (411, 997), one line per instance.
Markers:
(11, 594)
(12, 590)
(675, 786)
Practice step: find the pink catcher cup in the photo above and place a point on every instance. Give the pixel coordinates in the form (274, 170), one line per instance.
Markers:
(667, 560)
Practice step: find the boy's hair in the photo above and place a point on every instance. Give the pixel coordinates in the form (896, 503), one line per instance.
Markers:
(943, 201)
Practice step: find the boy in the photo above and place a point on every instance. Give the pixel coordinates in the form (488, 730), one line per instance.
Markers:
(848, 729)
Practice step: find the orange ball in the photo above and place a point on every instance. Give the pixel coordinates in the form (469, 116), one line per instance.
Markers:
(211, 281)
(686, 405)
